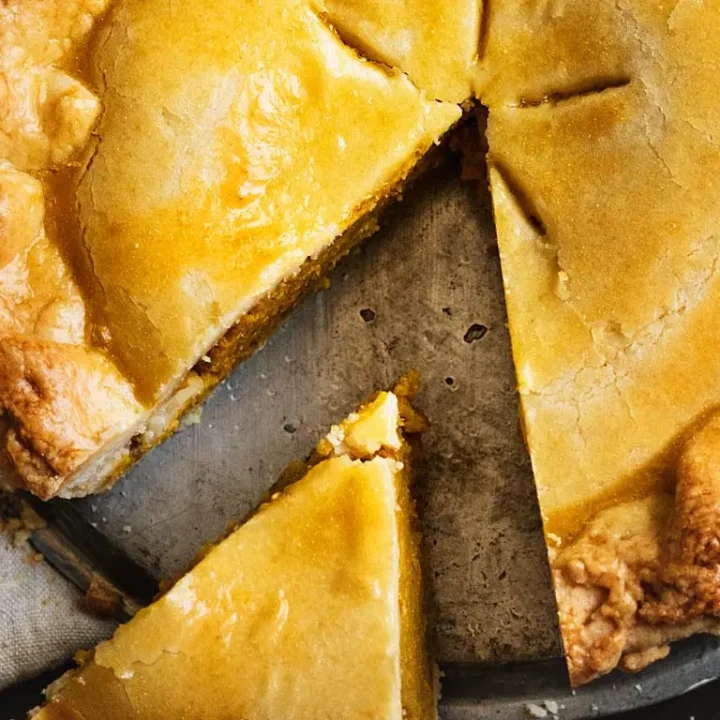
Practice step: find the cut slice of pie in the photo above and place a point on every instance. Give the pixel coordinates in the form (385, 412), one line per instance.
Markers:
(313, 608)
(605, 171)
(172, 179)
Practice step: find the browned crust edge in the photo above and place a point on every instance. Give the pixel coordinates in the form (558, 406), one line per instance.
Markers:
(645, 573)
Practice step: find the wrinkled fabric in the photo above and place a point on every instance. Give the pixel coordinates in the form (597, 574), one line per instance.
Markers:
(42, 623)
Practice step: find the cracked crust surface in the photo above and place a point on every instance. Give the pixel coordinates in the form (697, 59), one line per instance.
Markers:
(322, 582)
(606, 205)
(604, 171)
(250, 160)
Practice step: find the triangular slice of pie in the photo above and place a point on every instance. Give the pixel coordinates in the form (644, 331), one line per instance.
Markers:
(172, 179)
(605, 172)
(313, 608)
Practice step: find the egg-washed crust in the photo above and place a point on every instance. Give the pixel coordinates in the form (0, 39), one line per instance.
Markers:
(646, 572)
(47, 469)
(420, 677)
(419, 673)
(603, 164)
(641, 574)
(72, 422)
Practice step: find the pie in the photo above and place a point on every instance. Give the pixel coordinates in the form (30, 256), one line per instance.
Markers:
(194, 193)
(172, 180)
(313, 608)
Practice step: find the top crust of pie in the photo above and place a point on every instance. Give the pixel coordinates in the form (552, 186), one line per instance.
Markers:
(249, 155)
(200, 156)
(256, 153)
(605, 170)
(435, 43)
(311, 609)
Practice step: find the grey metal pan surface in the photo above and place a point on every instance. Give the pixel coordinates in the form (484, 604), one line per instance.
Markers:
(426, 293)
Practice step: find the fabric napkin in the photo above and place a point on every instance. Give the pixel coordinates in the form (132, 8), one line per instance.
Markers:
(42, 622)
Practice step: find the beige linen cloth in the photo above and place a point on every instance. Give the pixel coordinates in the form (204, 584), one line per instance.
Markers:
(42, 623)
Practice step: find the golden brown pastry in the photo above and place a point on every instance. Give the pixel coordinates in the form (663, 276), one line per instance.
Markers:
(435, 43)
(605, 170)
(210, 163)
(46, 114)
(214, 162)
(311, 609)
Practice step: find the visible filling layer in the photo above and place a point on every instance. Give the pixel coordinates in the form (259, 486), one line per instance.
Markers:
(246, 158)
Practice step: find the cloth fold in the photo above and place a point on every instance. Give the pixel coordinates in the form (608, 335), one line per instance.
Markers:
(42, 621)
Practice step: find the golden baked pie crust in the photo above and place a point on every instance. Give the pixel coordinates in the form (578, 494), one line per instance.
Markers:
(352, 553)
(603, 168)
(57, 442)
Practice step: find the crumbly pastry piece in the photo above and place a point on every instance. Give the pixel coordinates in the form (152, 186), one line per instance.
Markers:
(435, 43)
(312, 608)
(46, 114)
(212, 164)
(38, 376)
(605, 170)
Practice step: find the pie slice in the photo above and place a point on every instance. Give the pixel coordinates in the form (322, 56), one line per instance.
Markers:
(313, 608)
(605, 173)
(172, 179)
